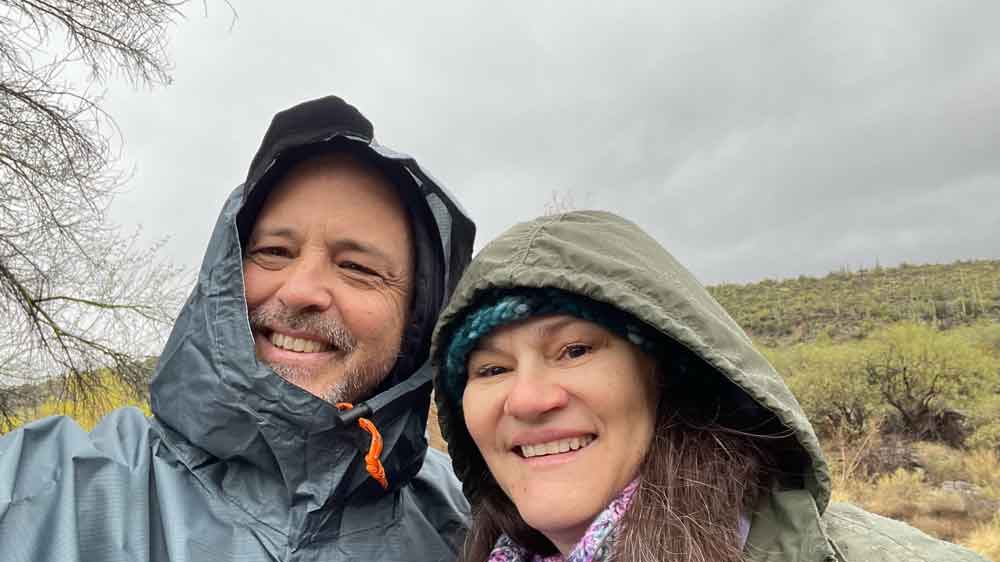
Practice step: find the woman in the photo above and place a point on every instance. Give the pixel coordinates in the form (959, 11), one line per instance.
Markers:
(599, 404)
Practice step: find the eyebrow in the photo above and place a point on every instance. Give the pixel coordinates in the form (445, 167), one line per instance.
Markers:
(340, 244)
(548, 329)
(484, 346)
(279, 232)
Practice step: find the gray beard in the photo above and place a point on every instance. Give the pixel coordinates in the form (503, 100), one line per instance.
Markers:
(358, 382)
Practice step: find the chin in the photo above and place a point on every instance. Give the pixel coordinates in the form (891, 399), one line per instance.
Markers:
(307, 379)
(559, 527)
(553, 514)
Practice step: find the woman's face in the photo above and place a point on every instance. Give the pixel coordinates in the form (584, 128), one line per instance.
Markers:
(562, 411)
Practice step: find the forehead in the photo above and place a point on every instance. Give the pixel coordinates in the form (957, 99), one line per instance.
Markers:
(336, 188)
(537, 328)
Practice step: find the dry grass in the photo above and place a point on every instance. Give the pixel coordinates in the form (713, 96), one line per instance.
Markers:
(434, 430)
(966, 512)
(951, 529)
(985, 539)
(907, 495)
(941, 463)
(983, 470)
(850, 463)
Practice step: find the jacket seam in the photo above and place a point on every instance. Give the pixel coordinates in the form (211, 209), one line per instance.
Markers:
(520, 262)
(836, 549)
(856, 525)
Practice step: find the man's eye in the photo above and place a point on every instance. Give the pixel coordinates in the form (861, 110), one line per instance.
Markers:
(490, 371)
(575, 351)
(355, 266)
(274, 251)
(270, 257)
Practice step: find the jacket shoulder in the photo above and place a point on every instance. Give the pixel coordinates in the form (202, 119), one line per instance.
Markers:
(437, 493)
(437, 481)
(36, 457)
(861, 536)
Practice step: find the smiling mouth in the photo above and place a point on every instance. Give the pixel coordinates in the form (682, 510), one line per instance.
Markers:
(300, 345)
(554, 447)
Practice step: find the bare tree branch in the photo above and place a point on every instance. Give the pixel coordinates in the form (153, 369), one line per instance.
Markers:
(78, 298)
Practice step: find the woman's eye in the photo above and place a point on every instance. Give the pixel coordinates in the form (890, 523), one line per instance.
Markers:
(576, 350)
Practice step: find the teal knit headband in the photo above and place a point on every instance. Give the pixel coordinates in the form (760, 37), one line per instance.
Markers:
(505, 307)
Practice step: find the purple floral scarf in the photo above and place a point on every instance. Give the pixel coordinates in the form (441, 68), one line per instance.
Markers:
(593, 547)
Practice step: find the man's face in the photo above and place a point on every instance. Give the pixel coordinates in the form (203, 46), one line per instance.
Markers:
(328, 274)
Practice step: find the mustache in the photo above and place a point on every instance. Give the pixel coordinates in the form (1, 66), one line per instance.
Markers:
(275, 315)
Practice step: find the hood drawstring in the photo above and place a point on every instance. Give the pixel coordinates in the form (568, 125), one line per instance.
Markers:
(373, 464)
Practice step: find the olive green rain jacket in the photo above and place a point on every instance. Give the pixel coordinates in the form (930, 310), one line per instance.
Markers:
(237, 464)
(609, 259)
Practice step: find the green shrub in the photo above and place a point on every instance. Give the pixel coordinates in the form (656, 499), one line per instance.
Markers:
(829, 384)
(922, 373)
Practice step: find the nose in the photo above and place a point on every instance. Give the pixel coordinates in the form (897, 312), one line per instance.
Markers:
(533, 395)
(308, 286)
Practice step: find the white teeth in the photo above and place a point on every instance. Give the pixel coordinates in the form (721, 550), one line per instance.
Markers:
(297, 344)
(555, 447)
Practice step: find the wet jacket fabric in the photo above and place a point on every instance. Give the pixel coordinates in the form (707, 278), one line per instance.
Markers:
(236, 463)
(611, 260)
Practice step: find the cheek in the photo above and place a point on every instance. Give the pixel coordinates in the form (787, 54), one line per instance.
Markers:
(644, 426)
(636, 404)
(258, 284)
(480, 417)
(370, 313)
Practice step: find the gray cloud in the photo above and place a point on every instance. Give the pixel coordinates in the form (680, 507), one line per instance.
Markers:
(754, 140)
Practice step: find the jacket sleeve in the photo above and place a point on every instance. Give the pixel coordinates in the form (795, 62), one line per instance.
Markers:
(66, 494)
(861, 536)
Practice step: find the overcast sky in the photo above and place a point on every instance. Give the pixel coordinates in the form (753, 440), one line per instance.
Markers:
(753, 139)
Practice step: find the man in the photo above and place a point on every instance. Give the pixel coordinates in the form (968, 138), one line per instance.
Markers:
(290, 402)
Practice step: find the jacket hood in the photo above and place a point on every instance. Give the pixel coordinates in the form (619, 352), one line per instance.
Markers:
(611, 260)
(265, 441)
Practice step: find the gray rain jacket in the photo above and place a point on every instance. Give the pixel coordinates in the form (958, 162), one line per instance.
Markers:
(236, 463)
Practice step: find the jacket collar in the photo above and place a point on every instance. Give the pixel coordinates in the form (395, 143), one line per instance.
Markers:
(786, 527)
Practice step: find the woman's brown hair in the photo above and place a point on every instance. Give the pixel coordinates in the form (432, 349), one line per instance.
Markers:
(707, 465)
